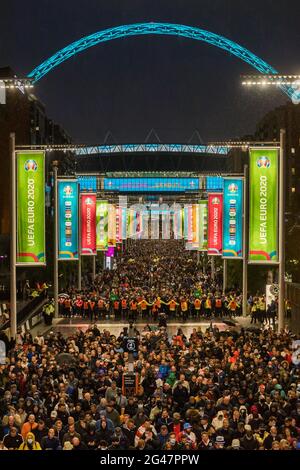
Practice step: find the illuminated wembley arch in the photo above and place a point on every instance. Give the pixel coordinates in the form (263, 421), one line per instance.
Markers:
(170, 29)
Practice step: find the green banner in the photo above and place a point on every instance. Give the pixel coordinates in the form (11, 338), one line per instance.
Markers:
(203, 227)
(30, 208)
(101, 225)
(263, 215)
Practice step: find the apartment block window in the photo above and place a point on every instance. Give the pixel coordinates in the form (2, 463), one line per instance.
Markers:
(293, 190)
(293, 171)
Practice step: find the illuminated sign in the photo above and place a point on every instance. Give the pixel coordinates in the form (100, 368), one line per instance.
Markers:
(151, 184)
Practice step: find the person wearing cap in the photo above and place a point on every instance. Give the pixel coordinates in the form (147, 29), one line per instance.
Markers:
(235, 445)
(219, 442)
(13, 439)
(187, 434)
(254, 418)
(249, 442)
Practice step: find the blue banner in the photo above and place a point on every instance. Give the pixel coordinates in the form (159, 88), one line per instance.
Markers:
(233, 218)
(67, 219)
(171, 185)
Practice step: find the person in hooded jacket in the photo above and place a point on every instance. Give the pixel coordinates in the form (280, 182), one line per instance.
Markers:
(30, 443)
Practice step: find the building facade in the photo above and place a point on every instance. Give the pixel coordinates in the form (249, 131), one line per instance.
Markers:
(22, 113)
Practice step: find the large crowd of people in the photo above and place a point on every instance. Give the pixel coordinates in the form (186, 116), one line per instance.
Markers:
(213, 390)
(235, 389)
(150, 278)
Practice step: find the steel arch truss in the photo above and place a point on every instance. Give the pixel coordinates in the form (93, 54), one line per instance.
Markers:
(138, 29)
(148, 148)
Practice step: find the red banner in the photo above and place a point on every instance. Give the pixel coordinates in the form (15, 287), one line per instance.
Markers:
(215, 222)
(88, 224)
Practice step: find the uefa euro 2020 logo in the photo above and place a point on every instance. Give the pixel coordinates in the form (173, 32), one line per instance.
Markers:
(263, 162)
(30, 165)
(68, 190)
(215, 200)
(232, 188)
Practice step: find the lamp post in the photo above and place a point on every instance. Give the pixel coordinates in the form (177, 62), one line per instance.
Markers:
(281, 268)
(13, 242)
(224, 275)
(245, 239)
(55, 259)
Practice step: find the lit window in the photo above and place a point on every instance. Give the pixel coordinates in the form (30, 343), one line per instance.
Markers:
(293, 171)
(293, 150)
(293, 190)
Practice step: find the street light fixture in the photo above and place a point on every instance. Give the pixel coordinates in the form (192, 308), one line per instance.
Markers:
(16, 82)
(275, 80)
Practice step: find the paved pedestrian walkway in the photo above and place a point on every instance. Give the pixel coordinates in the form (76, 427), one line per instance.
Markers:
(67, 326)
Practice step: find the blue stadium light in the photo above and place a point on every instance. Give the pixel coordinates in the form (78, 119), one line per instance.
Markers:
(170, 29)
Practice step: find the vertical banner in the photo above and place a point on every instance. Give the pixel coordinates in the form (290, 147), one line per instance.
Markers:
(215, 222)
(118, 224)
(195, 225)
(203, 224)
(187, 222)
(124, 222)
(101, 225)
(30, 208)
(129, 224)
(67, 219)
(263, 210)
(154, 221)
(88, 223)
(138, 225)
(112, 226)
(122, 218)
(177, 221)
(233, 218)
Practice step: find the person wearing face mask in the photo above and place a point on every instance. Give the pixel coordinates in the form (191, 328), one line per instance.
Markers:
(30, 443)
(172, 442)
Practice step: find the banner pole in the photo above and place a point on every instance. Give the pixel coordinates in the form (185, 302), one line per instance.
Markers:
(224, 275)
(94, 267)
(13, 242)
(79, 272)
(245, 240)
(281, 268)
(79, 245)
(212, 263)
(55, 268)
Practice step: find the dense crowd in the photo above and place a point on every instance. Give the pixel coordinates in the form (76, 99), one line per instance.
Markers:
(149, 279)
(209, 391)
(212, 390)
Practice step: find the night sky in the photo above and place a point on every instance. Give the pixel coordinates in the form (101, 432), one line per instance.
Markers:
(172, 84)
